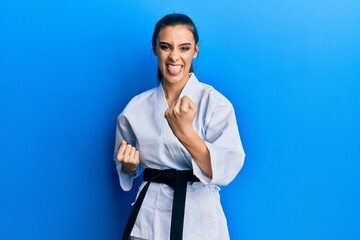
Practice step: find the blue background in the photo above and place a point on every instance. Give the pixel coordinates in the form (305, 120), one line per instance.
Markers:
(290, 68)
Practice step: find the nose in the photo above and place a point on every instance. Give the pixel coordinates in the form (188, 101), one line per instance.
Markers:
(174, 55)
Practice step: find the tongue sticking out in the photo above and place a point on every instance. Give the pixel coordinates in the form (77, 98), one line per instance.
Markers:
(174, 69)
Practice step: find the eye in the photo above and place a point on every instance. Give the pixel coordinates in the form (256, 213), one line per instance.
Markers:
(164, 47)
(184, 49)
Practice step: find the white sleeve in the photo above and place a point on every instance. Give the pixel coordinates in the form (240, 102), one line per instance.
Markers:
(223, 141)
(124, 132)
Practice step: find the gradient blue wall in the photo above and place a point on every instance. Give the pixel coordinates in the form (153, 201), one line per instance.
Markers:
(291, 69)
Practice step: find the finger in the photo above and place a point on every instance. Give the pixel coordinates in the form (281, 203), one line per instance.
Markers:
(136, 157)
(122, 147)
(122, 144)
(185, 104)
(192, 105)
(127, 152)
(176, 108)
(170, 110)
(132, 154)
(186, 98)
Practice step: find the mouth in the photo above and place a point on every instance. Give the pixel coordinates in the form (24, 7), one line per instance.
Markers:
(174, 69)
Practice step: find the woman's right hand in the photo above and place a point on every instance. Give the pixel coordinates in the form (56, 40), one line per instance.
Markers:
(128, 156)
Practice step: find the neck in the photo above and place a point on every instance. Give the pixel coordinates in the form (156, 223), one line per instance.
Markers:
(172, 91)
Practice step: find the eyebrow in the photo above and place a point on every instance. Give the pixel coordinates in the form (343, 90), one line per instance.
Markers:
(179, 45)
(185, 44)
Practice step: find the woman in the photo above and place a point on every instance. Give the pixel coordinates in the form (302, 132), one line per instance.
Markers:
(184, 134)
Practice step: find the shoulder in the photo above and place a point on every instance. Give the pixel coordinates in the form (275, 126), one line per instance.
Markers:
(213, 96)
(139, 101)
(142, 97)
(204, 90)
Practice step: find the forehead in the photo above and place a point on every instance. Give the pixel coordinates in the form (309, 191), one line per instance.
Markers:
(175, 34)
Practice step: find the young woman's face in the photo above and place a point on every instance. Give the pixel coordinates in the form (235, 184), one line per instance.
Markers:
(175, 48)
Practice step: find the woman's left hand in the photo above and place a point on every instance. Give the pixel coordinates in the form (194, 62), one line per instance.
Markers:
(180, 116)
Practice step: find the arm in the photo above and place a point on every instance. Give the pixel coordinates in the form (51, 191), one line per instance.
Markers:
(128, 156)
(125, 155)
(223, 157)
(180, 117)
(223, 141)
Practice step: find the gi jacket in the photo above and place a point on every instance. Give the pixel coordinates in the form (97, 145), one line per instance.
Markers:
(143, 125)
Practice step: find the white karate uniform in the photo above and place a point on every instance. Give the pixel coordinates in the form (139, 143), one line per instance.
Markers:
(142, 124)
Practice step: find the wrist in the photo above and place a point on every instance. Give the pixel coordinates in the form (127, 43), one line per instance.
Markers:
(187, 137)
(132, 172)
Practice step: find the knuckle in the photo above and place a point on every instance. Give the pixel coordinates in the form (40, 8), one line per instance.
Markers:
(119, 157)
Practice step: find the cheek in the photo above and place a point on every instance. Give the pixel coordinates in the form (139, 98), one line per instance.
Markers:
(188, 59)
(161, 57)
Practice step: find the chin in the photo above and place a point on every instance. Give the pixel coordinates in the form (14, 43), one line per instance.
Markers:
(174, 79)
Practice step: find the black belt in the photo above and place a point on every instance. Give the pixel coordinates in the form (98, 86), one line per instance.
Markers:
(178, 180)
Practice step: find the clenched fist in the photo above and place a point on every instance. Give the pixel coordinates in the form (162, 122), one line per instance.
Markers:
(129, 158)
(180, 116)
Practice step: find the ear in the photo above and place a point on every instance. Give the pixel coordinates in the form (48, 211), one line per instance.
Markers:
(196, 52)
(154, 50)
